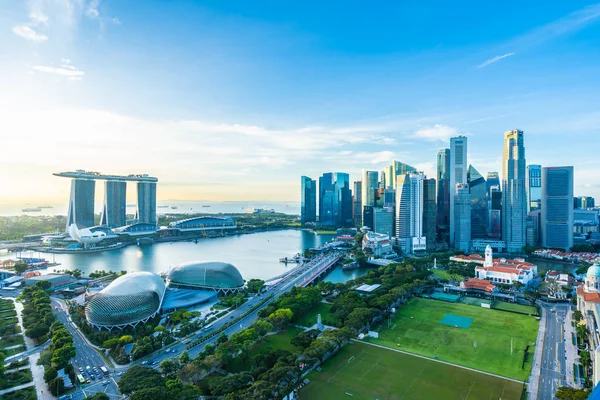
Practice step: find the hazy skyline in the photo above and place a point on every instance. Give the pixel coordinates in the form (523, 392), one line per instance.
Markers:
(237, 100)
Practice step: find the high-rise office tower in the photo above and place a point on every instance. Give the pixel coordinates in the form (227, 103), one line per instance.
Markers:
(369, 188)
(495, 213)
(369, 216)
(308, 205)
(393, 171)
(462, 217)
(557, 209)
(357, 203)
(383, 221)
(409, 213)
(479, 203)
(326, 200)
(458, 173)
(81, 203)
(534, 187)
(146, 204)
(493, 179)
(584, 202)
(429, 212)
(114, 211)
(514, 193)
(389, 197)
(443, 194)
(343, 196)
(534, 227)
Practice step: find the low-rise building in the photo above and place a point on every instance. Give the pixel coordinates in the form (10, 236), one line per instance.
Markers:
(559, 277)
(379, 244)
(478, 285)
(57, 280)
(500, 270)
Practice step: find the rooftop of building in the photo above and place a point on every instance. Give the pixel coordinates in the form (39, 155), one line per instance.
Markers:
(81, 174)
(367, 288)
(479, 284)
(592, 297)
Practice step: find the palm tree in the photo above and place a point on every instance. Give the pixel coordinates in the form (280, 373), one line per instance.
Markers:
(581, 331)
(577, 316)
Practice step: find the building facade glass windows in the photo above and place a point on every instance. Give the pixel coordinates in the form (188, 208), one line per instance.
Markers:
(514, 193)
(146, 204)
(557, 210)
(458, 174)
(443, 193)
(308, 206)
(534, 187)
(114, 212)
(81, 203)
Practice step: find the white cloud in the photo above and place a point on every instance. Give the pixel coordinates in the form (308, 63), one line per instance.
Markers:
(66, 70)
(382, 157)
(38, 18)
(92, 9)
(437, 132)
(29, 33)
(116, 21)
(494, 59)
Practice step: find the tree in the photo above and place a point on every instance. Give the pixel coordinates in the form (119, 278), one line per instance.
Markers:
(99, 396)
(359, 317)
(577, 316)
(21, 267)
(567, 393)
(255, 285)
(56, 386)
(2, 368)
(169, 366)
(584, 357)
(305, 338)
(136, 378)
(150, 393)
(45, 285)
(184, 358)
(222, 338)
(262, 327)
(281, 317)
(581, 331)
(50, 373)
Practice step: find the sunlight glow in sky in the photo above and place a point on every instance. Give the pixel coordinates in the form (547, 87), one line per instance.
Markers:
(236, 100)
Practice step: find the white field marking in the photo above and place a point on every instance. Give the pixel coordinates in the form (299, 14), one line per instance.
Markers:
(369, 370)
(412, 384)
(503, 389)
(344, 367)
(471, 388)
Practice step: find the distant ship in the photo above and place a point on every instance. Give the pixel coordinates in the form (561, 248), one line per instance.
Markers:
(162, 206)
(206, 206)
(251, 210)
(45, 207)
(31, 209)
(173, 207)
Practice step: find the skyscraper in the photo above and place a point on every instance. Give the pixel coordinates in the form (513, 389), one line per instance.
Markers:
(557, 207)
(393, 171)
(493, 179)
(369, 188)
(343, 199)
(584, 202)
(308, 194)
(81, 203)
(429, 212)
(383, 221)
(534, 227)
(479, 203)
(495, 213)
(146, 204)
(458, 173)
(534, 187)
(443, 194)
(409, 213)
(114, 211)
(462, 217)
(326, 200)
(514, 193)
(357, 203)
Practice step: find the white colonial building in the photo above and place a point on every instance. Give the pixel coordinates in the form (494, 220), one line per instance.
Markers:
(380, 244)
(588, 303)
(500, 270)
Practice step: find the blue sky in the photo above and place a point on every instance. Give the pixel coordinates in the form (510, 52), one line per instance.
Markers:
(235, 100)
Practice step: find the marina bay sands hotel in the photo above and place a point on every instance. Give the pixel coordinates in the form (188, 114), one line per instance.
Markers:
(114, 211)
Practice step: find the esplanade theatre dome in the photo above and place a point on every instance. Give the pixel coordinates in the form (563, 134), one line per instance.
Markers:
(218, 276)
(129, 299)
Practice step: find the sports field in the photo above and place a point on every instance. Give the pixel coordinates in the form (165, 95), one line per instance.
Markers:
(485, 345)
(361, 371)
(501, 305)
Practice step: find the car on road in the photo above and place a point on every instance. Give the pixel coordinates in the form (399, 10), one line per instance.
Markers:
(93, 377)
(144, 362)
(80, 369)
(105, 382)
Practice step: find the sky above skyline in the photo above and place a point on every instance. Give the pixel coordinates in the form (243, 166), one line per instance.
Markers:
(236, 100)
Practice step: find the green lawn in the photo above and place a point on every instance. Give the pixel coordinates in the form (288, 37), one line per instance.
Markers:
(281, 340)
(7, 313)
(502, 305)
(442, 274)
(366, 372)
(11, 341)
(485, 345)
(23, 394)
(14, 351)
(13, 379)
(310, 318)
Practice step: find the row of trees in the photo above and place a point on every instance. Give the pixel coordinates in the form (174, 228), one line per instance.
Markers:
(58, 357)
(37, 311)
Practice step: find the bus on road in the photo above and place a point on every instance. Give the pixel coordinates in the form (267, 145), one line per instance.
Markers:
(80, 379)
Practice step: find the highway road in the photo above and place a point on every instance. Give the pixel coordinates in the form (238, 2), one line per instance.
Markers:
(296, 277)
(84, 356)
(553, 367)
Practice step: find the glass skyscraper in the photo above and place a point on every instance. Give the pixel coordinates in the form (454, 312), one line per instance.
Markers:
(429, 212)
(443, 193)
(409, 213)
(357, 204)
(462, 217)
(557, 207)
(458, 173)
(81, 203)
(369, 188)
(534, 187)
(114, 212)
(308, 204)
(514, 193)
(479, 204)
(335, 199)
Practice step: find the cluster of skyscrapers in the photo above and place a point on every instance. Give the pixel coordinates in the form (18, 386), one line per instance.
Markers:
(459, 208)
(114, 210)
